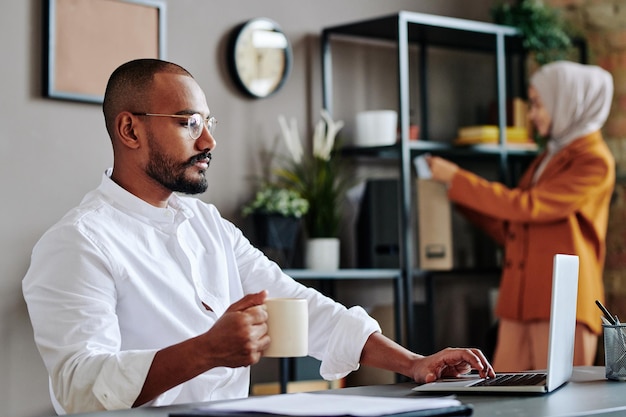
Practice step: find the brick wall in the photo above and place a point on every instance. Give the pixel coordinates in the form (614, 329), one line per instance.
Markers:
(603, 24)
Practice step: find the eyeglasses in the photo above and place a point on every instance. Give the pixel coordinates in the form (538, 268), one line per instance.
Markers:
(195, 122)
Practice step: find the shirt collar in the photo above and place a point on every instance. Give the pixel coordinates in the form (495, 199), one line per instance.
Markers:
(133, 204)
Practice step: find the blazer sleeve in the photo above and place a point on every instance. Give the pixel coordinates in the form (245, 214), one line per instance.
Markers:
(495, 228)
(567, 183)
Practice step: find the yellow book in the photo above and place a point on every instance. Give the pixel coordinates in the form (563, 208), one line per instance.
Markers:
(470, 135)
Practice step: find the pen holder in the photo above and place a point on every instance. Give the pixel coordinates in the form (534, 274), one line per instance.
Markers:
(615, 351)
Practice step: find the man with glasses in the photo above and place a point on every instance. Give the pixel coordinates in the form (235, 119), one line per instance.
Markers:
(140, 296)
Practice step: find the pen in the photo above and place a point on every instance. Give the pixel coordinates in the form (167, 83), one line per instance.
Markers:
(609, 316)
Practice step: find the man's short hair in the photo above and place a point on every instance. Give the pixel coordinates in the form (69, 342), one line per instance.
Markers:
(129, 86)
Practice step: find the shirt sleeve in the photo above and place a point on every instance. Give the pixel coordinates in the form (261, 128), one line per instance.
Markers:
(337, 335)
(69, 279)
(346, 342)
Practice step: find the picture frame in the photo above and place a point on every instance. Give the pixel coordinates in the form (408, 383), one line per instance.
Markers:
(86, 40)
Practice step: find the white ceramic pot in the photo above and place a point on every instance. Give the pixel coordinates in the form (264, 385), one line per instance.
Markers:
(322, 254)
(376, 128)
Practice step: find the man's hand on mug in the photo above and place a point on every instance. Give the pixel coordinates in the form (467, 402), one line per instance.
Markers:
(441, 169)
(239, 336)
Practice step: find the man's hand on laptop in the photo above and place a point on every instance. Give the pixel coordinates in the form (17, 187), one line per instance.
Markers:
(452, 362)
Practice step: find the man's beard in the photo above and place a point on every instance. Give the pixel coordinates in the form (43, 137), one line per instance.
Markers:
(171, 174)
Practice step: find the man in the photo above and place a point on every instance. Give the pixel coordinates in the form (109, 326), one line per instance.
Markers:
(141, 296)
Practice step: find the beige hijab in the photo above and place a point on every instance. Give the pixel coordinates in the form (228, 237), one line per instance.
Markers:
(577, 96)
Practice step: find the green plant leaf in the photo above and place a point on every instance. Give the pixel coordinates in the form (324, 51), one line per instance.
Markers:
(543, 30)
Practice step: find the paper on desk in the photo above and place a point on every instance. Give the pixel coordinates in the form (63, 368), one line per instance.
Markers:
(304, 404)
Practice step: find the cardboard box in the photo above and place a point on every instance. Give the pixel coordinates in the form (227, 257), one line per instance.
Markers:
(434, 223)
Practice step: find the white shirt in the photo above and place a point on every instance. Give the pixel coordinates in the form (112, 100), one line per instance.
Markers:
(117, 279)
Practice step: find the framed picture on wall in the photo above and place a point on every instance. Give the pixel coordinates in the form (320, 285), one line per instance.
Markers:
(86, 40)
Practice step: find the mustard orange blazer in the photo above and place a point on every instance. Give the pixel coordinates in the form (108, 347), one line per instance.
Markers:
(565, 211)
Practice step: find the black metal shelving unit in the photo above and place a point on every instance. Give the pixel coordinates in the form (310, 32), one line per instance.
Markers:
(406, 29)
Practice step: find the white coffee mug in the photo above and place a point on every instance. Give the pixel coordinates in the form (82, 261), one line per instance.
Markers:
(287, 327)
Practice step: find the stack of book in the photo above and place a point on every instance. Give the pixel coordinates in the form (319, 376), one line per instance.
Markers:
(517, 133)
(471, 135)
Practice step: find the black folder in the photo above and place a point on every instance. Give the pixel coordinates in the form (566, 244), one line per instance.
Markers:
(457, 410)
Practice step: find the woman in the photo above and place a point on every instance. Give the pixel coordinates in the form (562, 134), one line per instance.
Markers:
(560, 206)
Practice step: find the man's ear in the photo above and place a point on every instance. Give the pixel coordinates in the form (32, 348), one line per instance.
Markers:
(127, 130)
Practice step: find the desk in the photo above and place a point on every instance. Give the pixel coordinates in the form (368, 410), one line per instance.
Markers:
(588, 393)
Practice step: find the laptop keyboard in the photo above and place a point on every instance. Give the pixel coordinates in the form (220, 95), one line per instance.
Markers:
(508, 380)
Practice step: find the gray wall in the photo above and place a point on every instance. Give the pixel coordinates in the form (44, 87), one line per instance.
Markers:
(52, 152)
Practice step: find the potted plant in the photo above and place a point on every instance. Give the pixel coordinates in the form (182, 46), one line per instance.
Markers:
(276, 213)
(319, 177)
(544, 33)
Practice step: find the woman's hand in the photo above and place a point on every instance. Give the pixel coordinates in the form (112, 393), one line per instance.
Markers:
(441, 169)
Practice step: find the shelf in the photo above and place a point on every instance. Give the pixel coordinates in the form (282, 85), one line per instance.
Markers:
(344, 274)
(439, 148)
(458, 271)
(435, 30)
(427, 31)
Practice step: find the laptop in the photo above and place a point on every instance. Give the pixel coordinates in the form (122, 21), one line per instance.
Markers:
(560, 345)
